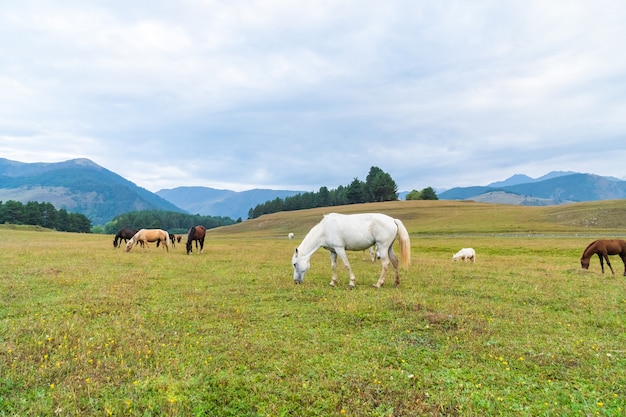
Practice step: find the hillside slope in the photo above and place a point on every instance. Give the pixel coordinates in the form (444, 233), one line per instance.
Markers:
(422, 218)
(79, 186)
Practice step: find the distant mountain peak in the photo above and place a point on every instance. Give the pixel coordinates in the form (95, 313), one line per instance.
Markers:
(555, 174)
(513, 180)
(214, 202)
(518, 179)
(85, 162)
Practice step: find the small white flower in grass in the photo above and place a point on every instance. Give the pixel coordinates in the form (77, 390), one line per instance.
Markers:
(411, 376)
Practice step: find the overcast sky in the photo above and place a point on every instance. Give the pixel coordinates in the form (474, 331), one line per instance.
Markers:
(297, 95)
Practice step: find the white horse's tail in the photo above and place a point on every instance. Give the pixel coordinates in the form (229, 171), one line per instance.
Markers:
(405, 244)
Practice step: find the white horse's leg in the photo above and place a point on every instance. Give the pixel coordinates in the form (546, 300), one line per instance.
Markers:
(341, 252)
(333, 264)
(385, 259)
(394, 262)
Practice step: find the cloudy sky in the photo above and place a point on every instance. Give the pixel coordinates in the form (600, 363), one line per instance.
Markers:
(297, 95)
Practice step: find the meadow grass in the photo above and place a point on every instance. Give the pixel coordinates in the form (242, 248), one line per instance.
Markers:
(86, 329)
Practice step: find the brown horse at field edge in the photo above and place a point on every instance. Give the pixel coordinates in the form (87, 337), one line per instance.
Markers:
(603, 248)
(196, 233)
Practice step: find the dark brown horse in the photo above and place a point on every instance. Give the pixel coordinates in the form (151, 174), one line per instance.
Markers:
(125, 235)
(196, 233)
(603, 248)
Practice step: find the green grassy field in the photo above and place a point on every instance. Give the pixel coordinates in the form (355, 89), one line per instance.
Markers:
(86, 329)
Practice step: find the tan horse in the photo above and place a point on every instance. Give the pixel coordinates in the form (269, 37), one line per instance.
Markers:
(149, 235)
(604, 248)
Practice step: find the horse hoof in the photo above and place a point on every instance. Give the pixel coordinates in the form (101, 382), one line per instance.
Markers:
(331, 284)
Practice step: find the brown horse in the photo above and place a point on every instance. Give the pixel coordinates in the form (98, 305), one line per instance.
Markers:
(604, 248)
(196, 233)
(150, 235)
(123, 234)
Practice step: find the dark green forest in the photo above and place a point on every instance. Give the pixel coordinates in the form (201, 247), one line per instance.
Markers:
(44, 215)
(172, 221)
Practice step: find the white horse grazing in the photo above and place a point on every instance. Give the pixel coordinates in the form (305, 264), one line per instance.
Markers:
(356, 232)
(464, 254)
(290, 235)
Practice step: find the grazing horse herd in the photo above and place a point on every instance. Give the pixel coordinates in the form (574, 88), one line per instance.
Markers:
(134, 237)
(339, 233)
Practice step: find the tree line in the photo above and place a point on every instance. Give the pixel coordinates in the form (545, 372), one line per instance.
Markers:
(172, 221)
(44, 215)
(378, 187)
(426, 194)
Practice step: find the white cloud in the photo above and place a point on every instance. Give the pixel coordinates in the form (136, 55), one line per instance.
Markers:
(283, 94)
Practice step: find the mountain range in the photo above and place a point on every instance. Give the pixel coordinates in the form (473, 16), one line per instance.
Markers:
(82, 186)
(79, 186)
(214, 202)
(552, 189)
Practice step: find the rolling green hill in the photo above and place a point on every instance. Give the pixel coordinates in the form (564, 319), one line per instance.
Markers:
(79, 186)
(443, 217)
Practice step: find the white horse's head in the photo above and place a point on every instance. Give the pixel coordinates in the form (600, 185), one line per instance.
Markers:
(300, 264)
(129, 244)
